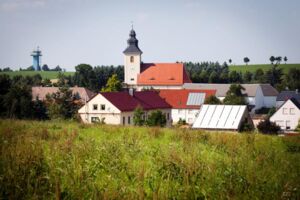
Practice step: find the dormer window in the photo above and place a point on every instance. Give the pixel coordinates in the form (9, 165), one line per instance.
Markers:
(131, 59)
(152, 78)
(172, 78)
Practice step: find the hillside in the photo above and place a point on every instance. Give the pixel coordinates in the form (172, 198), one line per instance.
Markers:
(44, 74)
(265, 67)
(69, 160)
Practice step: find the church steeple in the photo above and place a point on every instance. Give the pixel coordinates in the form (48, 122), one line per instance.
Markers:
(133, 47)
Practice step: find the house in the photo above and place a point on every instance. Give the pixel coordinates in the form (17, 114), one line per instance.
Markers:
(288, 115)
(40, 93)
(222, 117)
(286, 95)
(257, 95)
(140, 76)
(118, 107)
(185, 103)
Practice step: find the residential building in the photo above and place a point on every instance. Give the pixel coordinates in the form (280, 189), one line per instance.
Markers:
(140, 76)
(288, 115)
(185, 103)
(118, 107)
(222, 117)
(286, 95)
(40, 93)
(257, 95)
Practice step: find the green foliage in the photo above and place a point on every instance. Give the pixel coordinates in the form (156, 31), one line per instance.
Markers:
(291, 79)
(138, 116)
(113, 84)
(63, 160)
(246, 60)
(181, 122)
(268, 127)
(212, 99)
(234, 95)
(274, 76)
(156, 118)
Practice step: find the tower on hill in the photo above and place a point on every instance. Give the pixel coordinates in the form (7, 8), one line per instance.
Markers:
(36, 54)
(133, 56)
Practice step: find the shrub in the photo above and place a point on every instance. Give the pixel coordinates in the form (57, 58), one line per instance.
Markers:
(268, 127)
(156, 118)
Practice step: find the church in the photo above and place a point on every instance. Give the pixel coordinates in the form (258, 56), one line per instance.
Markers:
(142, 76)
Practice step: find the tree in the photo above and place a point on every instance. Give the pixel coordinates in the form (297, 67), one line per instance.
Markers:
(213, 78)
(247, 77)
(57, 68)
(113, 84)
(274, 75)
(235, 77)
(212, 99)
(83, 74)
(62, 104)
(259, 76)
(138, 116)
(285, 59)
(291, 79)
(267, 127)
(30, 68)
(234, 95)
(203, 77)
(278, 60)
(246, 60)
(156, 118)
(272, 59)
(45, 67)
(7, 69)
(230, 61)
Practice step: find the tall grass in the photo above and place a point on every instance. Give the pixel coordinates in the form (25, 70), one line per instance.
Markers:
(65, 160)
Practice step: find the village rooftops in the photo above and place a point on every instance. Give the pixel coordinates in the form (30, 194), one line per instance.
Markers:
(185, 99)
(163, 74)
(286, 95)
(148, 100)
(221, 89)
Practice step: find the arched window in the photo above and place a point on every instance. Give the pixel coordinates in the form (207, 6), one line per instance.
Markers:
(131, 59)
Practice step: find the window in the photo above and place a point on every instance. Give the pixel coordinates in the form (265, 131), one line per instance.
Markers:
(102, 106)
(132, 79)
(180, 111)
(168, 116)
(288, 125)
(292, 111)
(123, 120)
(131, 59)
(95, 119)
(95, 106)
(128, 119)
(285, 111)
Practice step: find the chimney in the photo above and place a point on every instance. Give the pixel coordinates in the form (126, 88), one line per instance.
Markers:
(131, 91)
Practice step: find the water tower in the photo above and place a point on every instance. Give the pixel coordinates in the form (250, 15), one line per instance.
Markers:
(36, 54)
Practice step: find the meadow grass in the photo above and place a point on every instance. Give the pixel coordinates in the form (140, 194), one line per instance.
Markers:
(44, 74)
(265, 67)
(69, 160)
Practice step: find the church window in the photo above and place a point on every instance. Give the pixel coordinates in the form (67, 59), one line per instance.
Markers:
(131, 59)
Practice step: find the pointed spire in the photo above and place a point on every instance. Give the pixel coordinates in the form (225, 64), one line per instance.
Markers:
(133, 47)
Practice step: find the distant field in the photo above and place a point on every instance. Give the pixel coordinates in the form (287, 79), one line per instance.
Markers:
(265, 67)
(48, 74)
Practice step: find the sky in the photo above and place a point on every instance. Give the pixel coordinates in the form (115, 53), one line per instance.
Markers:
(71, 32)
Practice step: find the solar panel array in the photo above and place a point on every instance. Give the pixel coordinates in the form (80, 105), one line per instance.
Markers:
(220, 117)
(195, 99)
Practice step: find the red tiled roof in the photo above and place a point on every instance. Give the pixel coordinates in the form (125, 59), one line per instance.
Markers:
(148, 100)
(163, 74)
(178, 98)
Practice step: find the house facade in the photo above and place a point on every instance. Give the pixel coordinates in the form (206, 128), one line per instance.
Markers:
(142, 76)
(117, 108)
(185, 103)
(288, 115)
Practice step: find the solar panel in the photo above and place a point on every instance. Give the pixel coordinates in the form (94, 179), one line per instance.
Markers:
(195, 99)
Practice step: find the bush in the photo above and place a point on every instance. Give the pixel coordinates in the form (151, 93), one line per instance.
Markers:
(156, 118)
(268, 127)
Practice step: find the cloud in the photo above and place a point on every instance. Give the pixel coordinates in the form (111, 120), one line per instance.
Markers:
(15, 5)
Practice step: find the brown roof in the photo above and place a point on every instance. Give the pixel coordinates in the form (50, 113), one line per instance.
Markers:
(41, 92)
(268, 90)
(163, 74)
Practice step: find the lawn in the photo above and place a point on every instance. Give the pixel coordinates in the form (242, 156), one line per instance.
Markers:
(44, 74)
(69, 160)
(265, 67)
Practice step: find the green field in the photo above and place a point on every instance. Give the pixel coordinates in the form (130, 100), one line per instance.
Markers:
(44, 74)
(69, 160)
(265, 67)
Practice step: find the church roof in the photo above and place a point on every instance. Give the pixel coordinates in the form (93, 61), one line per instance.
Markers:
(163, 74)
(133, 44)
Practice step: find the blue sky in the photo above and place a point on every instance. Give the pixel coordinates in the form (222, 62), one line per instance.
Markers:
(71, 32)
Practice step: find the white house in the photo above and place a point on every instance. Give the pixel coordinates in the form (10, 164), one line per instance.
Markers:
(222, 117)
(141, 75)
(185, 103)
(257, 95)
(288, 115)
(118, 107)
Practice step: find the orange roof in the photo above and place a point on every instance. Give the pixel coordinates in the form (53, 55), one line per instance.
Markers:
(179, 98)
(163, 74)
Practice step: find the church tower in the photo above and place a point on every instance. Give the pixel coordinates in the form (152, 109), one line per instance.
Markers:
(133, 56)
